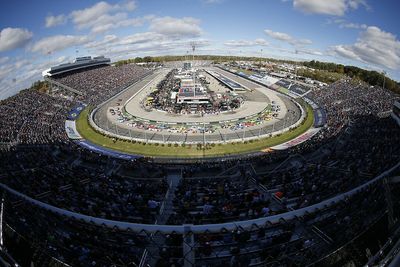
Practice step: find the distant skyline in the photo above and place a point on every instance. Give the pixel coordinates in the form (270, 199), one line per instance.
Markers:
(35, 35)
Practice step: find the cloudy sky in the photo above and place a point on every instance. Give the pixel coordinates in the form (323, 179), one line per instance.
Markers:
(35, 35)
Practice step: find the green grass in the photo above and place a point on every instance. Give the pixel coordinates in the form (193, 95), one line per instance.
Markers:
(248, 72)
(321, 75)
(186, 151)
(283, 90)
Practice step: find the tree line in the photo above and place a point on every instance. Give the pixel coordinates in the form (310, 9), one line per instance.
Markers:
(369, 76)
(325, 71)
(214, 58)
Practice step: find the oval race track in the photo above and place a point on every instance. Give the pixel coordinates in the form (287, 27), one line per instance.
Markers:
(256, 100)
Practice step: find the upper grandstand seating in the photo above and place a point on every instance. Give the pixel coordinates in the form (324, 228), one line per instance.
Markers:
(100, 83)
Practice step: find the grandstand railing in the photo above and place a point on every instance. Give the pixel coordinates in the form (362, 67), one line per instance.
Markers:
(181, 229)
(66, 87)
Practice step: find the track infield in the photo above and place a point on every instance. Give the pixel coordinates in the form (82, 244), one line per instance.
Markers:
(187, 150)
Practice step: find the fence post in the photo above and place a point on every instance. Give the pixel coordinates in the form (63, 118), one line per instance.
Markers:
(188, 247)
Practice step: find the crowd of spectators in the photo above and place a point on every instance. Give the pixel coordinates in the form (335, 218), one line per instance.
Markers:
(100, 83)
(352, 162)
(359, 143)
(31, 117)
(290, 242)
(218, 200)
(82, 187)
(347, 98)
(70, 241)
(293, 242)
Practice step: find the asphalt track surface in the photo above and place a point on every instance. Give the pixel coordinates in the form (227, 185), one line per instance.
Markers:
(230, 83)
(104, 120)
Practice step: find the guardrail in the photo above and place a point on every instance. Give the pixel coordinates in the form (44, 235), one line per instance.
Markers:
(128, 138)
(181, 229)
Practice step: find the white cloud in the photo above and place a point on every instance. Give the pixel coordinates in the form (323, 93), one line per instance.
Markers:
(20, 73)
(176, 27)
(246, 43)
(145, 43)
(345, 52)
(106, 23)
(345, 24)
(142, 37)
(284, 37)
(279, 35)
(108, 39)
(353, 26)
(12, 77)
(308, 52)
(11, 38)
(4, 71)
(303, 42)
(129, 5)
(58, 42)
(103, 17)
(102, 20)
(354, 4)
(261, 41)
(328, 7)
(52, 21)
(374, 46)
(100, 17)
(4, 60)
(85, 16)
(239, 43)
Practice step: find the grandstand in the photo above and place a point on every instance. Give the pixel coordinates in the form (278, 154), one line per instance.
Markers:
(80, 63)
(330, 199)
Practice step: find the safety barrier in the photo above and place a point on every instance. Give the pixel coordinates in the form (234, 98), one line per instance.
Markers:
(128, 138)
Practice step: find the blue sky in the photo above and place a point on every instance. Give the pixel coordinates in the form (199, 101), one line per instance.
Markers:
(35, 35)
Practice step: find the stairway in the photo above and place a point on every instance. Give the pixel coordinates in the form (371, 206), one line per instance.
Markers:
(173, 181)
(151, 253)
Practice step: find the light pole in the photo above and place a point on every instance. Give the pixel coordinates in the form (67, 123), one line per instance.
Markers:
(204, 134)
(193, 45)
(384, 77)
